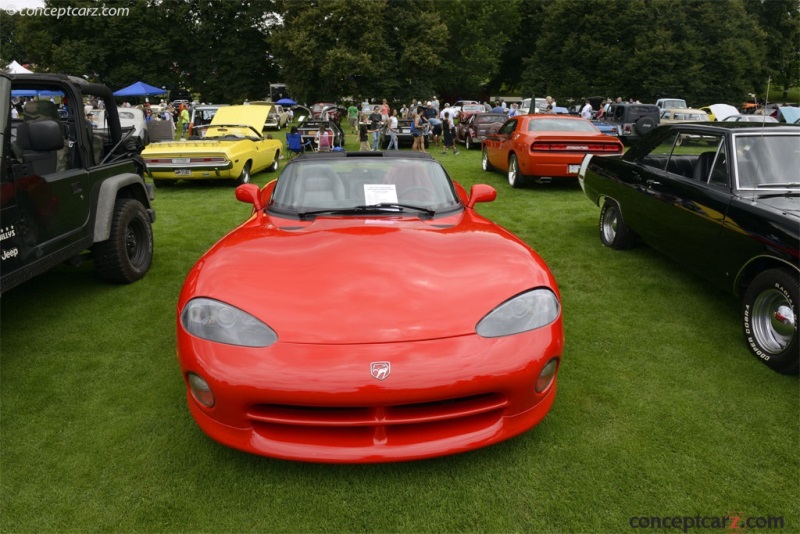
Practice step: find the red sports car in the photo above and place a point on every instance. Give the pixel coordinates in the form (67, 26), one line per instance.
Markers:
(543, 146)
(365, 312)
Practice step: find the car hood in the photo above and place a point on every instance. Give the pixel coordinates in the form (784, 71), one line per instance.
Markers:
(252, 115)
(789, 205)
(360, 280)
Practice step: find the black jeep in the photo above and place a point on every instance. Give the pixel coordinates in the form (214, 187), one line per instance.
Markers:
(632, 121)
(69, 190)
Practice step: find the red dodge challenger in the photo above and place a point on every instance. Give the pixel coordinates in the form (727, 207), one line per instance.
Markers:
(365, 312)
(544, 146)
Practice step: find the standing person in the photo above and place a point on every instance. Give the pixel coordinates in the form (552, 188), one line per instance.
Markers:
(586, 111)
(184, 120)
(550, 105)
(363, 136)
(447, 129)
(602, 111)
(375, 126)
(513, 110)
(352, 117)
(417, 127)
(385, 111)
(392, 127)
(435, 130)
(404, 112)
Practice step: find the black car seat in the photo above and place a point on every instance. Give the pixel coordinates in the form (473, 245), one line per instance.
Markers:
(40, 138)
(702, 167)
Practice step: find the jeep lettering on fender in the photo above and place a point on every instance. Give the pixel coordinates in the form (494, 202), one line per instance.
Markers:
(70, 189)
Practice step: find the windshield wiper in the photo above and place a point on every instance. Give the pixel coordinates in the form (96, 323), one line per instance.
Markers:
(372, 208)
(776, 195)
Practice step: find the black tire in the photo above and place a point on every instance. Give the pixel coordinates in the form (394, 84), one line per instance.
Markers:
(128, 252)
(275, 163)
(614, 232)
(244, 177)
(485, 165)
(515, 177)
(769, 319)
(643, 125)
(468, 143)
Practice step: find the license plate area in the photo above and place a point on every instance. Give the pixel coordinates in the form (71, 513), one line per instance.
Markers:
(183, 172)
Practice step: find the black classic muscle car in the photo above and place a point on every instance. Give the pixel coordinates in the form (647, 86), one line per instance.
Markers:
(723, 200)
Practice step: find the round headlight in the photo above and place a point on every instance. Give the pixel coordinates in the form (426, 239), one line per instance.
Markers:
(547, 375)
(527, 311)
(201, 391)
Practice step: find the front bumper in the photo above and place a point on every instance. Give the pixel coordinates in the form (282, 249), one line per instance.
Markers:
(320, 403)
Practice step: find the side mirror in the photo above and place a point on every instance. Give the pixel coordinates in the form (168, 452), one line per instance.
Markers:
(248, 193)
(480, 193)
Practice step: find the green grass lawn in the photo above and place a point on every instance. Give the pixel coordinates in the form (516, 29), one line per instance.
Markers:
(661, 410)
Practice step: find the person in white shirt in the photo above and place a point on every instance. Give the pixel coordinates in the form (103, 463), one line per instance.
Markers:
(445, 109)
(586, 111)
(393, 131)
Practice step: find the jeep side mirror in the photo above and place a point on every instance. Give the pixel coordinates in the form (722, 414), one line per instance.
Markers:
(248, 193)
(481, 193)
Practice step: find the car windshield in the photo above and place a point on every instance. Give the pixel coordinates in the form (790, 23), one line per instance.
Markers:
(560, 125)
(485, 119)
(359, 186)
(768, 161)
(472, 107)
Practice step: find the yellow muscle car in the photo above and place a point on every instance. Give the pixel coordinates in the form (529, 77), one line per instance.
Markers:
(233, 147)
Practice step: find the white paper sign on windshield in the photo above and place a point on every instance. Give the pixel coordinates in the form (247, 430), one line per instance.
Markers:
(380, 194)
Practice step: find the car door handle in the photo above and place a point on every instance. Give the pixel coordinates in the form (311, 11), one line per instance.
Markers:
(651, 183)
(77, 189)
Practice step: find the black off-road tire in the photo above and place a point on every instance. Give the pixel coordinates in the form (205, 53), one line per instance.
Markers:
(614, 232)
(643, 125)
(127, 254)
(769, 319)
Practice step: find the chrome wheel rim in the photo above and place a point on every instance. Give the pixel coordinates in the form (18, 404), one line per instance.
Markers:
(610, 222)
(512, 171)
(485, 161)
(774, 321)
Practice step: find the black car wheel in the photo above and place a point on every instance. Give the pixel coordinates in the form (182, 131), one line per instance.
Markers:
(485, 165)
(128, 252)
(244, 178)
(515, 177)
(468, 142)
(769, 319)
(614, 232)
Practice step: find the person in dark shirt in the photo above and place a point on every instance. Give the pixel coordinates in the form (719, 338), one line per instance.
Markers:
(375, 121)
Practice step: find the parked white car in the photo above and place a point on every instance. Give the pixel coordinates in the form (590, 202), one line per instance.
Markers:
(128, 117)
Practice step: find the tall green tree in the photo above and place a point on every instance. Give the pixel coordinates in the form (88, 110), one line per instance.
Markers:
(780, 22)
(645, 49)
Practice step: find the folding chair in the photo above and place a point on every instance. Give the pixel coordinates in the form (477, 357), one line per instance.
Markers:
(294, 142)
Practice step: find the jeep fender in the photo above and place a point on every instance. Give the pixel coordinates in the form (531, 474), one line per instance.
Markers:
(127, 185)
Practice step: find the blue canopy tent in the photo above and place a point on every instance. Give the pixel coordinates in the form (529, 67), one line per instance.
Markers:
(140, 89)
(286, 102)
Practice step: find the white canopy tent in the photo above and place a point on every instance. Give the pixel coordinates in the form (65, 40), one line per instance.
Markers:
(16, 68)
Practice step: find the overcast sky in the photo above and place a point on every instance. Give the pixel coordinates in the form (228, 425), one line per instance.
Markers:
(20, 4)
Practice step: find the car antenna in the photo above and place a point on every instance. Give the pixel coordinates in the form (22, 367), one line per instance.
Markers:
(766, 101)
